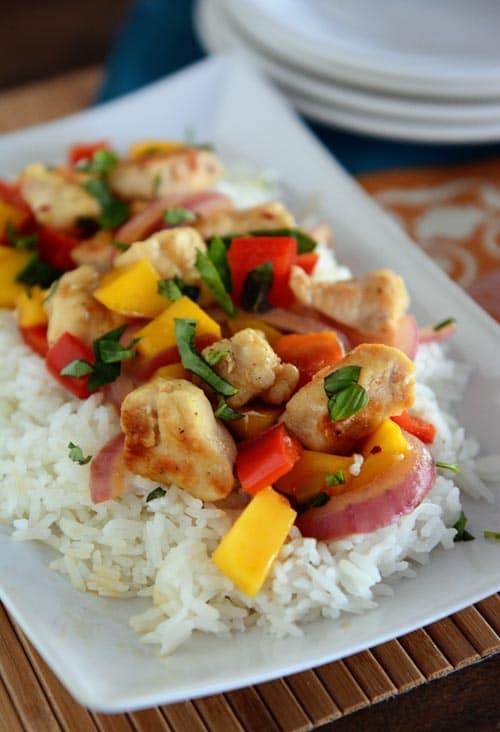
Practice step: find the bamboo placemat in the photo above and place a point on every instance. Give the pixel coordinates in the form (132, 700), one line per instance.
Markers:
(32, 698)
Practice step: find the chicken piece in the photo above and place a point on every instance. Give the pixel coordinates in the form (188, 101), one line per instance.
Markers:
(266, 216)
(387, 377)
(57, 197)
(371, 304)
(153, 176)
(172, 252)
(98, 252)
(172, 436)
(72, 308)
(250, 364)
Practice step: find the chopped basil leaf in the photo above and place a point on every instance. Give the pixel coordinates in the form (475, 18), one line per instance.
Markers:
(38, 272)
(337, 478)
(225, 412)
(120, 245)
(212, 279)
(194, 362)
(492, 535)
(114, 212)
(178, 215)
(18, 241)
(169, 289)
(218, 254)
(157, 492)
(447, 466)
(77, 368)
(346, 396)
(257, 287)
(108, 349)
(101, 162)
(215, 356)
(305, 243)
(315, 502)
(462, 534)
(444, 324)
(76, 454)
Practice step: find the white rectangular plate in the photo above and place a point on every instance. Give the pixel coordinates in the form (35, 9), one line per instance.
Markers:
(86, 639)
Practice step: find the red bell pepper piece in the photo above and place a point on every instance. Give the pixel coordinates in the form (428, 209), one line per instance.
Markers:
(307, 261)
(262, 460)
(68, 348)
(36, 338)
(85, 151)
(248, 252)
(55, 247)
(425, 431)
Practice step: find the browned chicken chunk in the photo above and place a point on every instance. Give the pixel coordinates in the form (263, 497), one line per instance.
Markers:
(98, 252)
(266, 217)
(72, 308)
(250, 364)
(371, 304)
(185, 171)
(387, 377)
(172, 436)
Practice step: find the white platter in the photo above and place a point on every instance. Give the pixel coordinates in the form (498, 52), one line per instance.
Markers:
(86, 639)
(383, 115)
(433, 48)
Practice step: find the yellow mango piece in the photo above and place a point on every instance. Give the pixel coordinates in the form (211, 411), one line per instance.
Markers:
(382, 449)
(30, 311)
(10, 215)
(307, 477)
(247, 551)
(159, 334)
(243, 321)
(132, 290)
(172, 371)
(143, 148)
(12, 262)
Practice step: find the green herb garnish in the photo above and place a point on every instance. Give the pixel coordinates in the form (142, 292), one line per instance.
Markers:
(337, 478)
(157, 181)
(315, 502)
(120, 245)
(76, 454)
(157, 492)
(194, 362)
(212, 279)
(444, 324)
(447, 466)
(77, 368)
(215, 355)
(38, 272)
(224, 411)
(100, 163)
(217, 252)
(305, 243)
(492, 535)
(462, 534)
(114, 212)
(178, 215)
(169, 289)
(256, 288)
(345, 395)
(19, 241)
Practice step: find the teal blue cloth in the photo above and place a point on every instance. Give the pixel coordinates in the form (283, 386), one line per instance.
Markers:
(158, 38)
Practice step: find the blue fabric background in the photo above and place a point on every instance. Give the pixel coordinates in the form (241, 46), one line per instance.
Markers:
(157, 39)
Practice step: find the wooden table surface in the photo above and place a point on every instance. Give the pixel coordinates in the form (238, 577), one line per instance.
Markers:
(406, 684)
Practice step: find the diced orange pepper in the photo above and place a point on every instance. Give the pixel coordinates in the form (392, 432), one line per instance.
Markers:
(30, 311)
(12, 262)
(247, 551)
(132, 290)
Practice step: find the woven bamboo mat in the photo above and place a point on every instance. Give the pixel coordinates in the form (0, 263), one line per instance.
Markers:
(33, 699)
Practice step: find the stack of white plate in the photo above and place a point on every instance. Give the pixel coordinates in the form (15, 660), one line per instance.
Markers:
(427, 70)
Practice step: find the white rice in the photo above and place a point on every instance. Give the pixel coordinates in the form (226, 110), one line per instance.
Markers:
(162, 549)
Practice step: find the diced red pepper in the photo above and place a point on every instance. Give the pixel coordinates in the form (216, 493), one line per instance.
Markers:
(85, 151)
(68, 348)
(307, 261)
(425, 431)
(248, 252)
(36, 338)
(55, 247)
(263, 459)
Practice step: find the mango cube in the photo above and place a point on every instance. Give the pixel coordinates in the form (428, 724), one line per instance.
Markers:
(381, 450)
(172, 371)
(132, 290)
(12, 262)
(30, 311)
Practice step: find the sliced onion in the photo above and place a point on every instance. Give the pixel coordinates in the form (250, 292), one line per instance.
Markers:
(107, 471)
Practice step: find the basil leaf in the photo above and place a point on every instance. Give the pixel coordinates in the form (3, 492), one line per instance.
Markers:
(447, 466)
(337, 478)
(444, 324)
(77, 368)
(114, 212)
(178, 215)
(120, 245)
(224, 411)
(257, 287)
(492, 535)
(462, 534)
(341, 379)
(18, 241)
(76, 454)
(100, 163)
(194, 362)
(211, 278)
(103, 373)
(347, 402)
(215, 356)
(38, 272)
(108, 348)
(218, 254)
(305, 243)
(169, 289)
(158, 492)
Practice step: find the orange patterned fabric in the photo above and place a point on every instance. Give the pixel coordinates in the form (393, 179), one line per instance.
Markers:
(454, 214)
